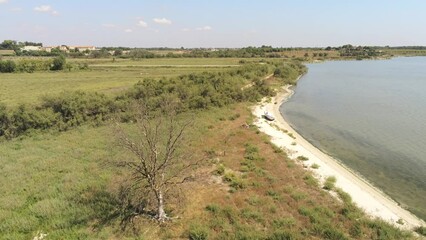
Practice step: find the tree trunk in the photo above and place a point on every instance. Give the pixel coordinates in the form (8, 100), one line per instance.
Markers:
(161, 214)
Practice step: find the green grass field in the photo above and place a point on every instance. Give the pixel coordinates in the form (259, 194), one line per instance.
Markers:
(42, 178)
(165, 61)
(16, 88)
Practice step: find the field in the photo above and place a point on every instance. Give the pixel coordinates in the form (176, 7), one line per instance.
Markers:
(103, 76)
(7, 52)
(405, 52)
(65, 184)
(164, 61)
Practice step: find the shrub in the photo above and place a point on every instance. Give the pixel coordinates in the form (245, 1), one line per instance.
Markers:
(58, 63)
(298, 195)
(213, 208)
(234, 181)
(78, 107)
(356, 231)
(220, 169)
(32, 65)
(384, 230)
(420, 230)
(311, 180)
(346, 198)
(8, 66)
(329, 183)
(197, 232)
(302, 158)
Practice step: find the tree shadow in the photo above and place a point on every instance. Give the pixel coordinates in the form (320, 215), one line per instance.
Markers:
(108, 208)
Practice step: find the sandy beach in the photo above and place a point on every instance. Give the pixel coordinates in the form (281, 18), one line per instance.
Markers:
(370, 199)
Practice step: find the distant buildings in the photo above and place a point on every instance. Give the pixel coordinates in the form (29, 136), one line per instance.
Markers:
(63, 48)
(31, 48)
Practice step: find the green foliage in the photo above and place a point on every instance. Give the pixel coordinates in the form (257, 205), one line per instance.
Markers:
(346, 198)
(234, 181)
(213, 208)
(315, 166)
(359, 52)
(302, 158)
(289, 72)
(421, 230)
(58, 63)
(329, 183)
(198, 232)
(384, 230)
(193, 91)
(327, 231)
(62, 112)
(78, 107)
(252, 154)
(282, 235)
(311, 180)
(31, 65)
(7, 66)
(220, 169)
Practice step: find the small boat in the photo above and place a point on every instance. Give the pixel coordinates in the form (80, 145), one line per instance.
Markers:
(268, 116)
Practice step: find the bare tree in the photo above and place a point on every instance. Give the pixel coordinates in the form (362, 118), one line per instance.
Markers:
(158, 161)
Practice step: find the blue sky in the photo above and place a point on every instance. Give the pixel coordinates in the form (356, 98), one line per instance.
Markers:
(219, 23)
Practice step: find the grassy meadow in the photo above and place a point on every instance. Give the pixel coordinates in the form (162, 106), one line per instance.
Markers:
(17, 88)
(65, 184)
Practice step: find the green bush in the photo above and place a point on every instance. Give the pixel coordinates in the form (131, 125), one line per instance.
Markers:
(8, 66)
(213, 208)
(420, 230)
(78, 107)
(234, 181)
(32, 65)
(384, 230)
(329, 183)
(58, 63)
(197, 232)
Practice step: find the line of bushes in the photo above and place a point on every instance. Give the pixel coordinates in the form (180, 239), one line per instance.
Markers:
(193, 91)
(27, 65)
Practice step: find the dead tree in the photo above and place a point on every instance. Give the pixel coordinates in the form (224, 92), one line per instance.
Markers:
(158, 161)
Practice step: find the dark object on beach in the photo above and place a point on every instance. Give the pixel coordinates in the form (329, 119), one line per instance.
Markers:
(268, 116)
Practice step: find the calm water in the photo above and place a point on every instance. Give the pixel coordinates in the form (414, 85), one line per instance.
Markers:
(371, 115)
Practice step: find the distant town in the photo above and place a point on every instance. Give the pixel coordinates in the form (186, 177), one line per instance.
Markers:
(64, 48)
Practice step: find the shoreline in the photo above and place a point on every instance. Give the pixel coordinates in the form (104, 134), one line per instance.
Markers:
(374, 202)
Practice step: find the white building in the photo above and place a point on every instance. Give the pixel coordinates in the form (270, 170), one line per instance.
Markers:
(31, 48)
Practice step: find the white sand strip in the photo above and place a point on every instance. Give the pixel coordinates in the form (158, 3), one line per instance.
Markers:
(370, 199)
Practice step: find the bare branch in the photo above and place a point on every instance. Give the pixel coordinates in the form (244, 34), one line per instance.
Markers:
(159, 163)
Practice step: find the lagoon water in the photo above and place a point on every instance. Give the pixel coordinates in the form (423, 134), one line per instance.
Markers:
(370, 115)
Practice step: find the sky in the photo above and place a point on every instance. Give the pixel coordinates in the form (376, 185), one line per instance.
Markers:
(214, 23)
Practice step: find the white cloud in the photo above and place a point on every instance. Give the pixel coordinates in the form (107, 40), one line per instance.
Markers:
(142, 24)
(3, 1)
(162, 21)
(46, 9)
(128, 30)
(43, 8)
(205, 28)
(186, 29)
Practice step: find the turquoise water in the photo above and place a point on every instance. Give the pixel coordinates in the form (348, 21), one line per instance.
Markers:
(371, 115)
